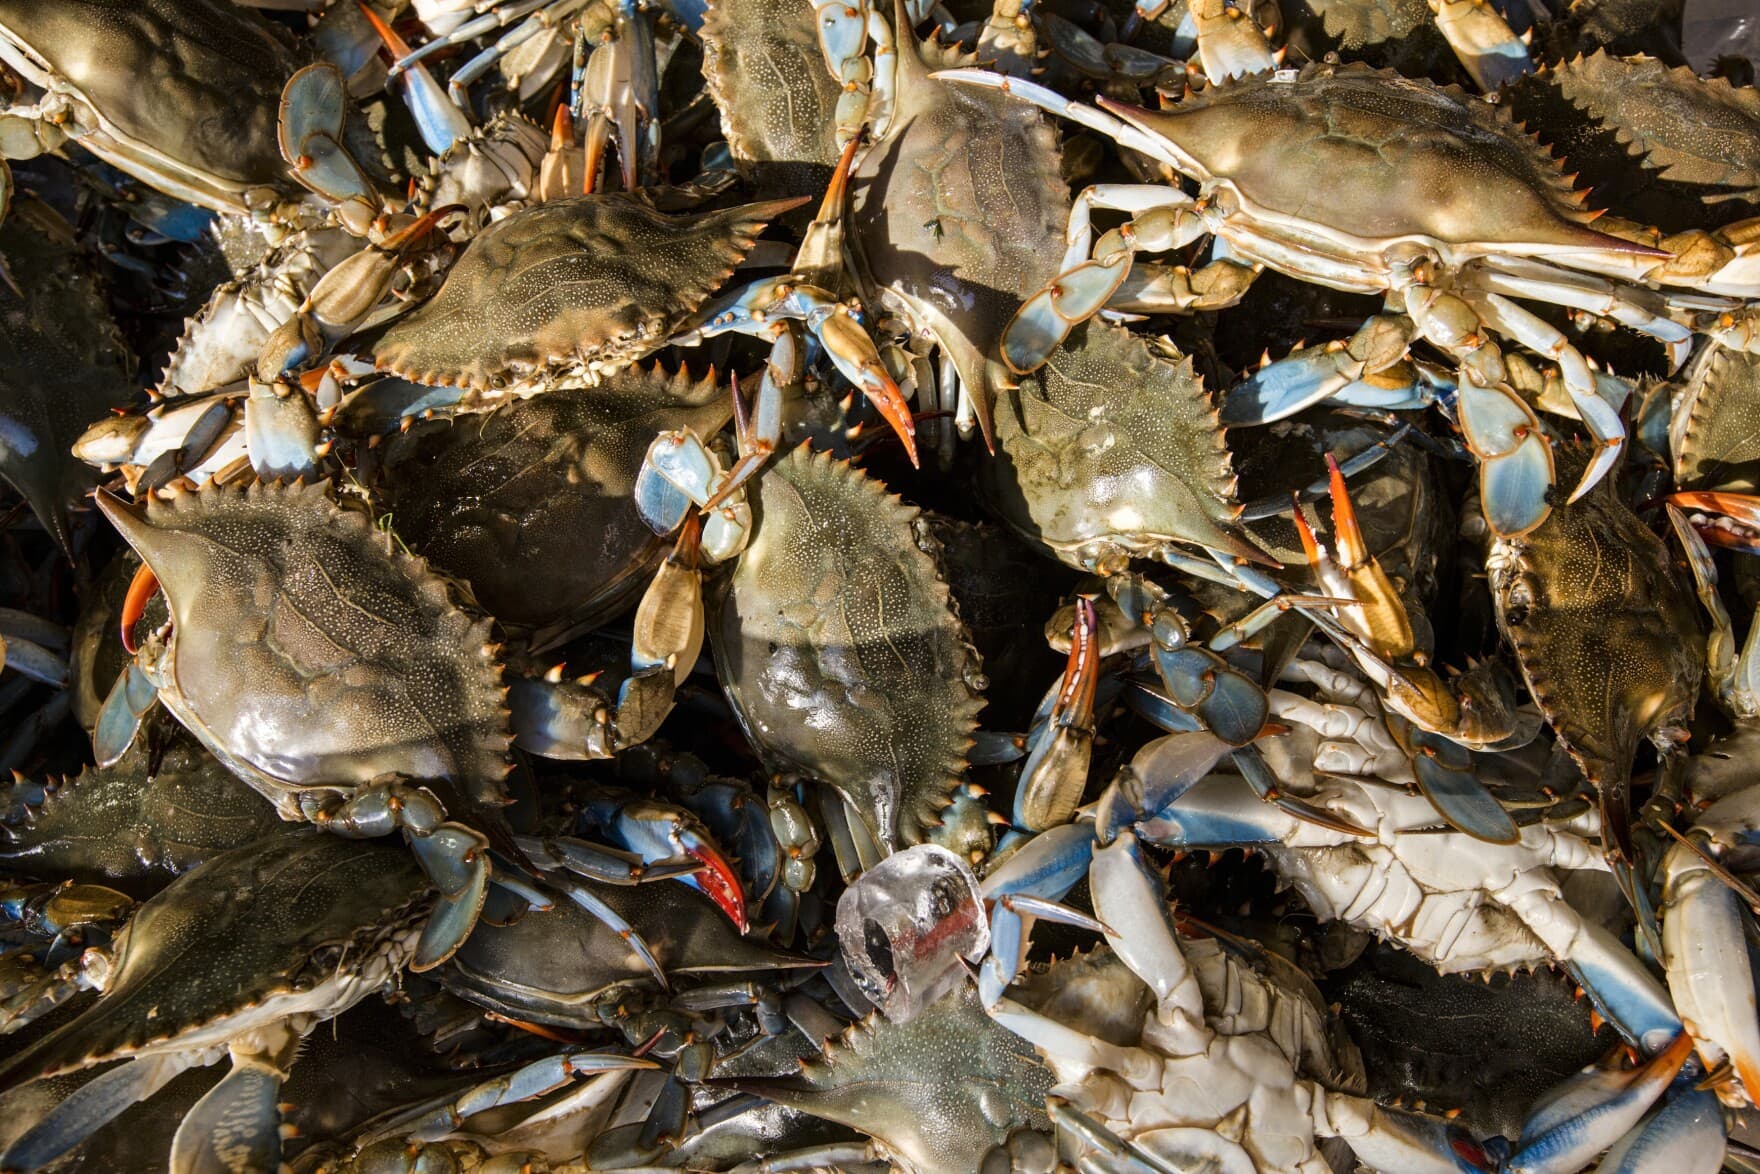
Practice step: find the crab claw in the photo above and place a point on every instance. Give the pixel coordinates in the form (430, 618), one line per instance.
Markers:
(314, 104)
(1380, 615)
(1590, 1111)
(1297, 381)
(1489, 51)
(456, 859)
(1045, 319)
(1704, 944)
(852, 353)
(1515, 460)
(717, 881)
(1737, 522)
(660, 832)
(141, 590)
(1056, 769)
(440, 122)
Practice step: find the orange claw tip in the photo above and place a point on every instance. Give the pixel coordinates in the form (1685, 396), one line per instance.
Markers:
(832, 205)
(396, 44)
(720, 884)
(1310, 544)
(1743, 507)
(420, 227)
(141, 589)
(889, 401)
(561, 128)
(1749, 1075)
(1347, 534)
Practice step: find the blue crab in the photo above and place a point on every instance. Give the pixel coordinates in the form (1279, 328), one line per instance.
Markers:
(183, 96)
(1453, 269)
(240, 956)
(836, 610)
(337, 676)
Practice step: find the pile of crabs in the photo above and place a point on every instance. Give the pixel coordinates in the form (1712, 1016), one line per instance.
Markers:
(830, 585)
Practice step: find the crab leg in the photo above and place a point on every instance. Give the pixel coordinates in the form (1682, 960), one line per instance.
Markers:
(1704, 938)
(749, 311)
(1050, 101)
(1518, 277)
(1623, 990)
(440, 122)
(598, 908)
(1164, 219)
(1734, 677)
(1515, 458)
(537, 1079)
(1541, 336)
(1490, 52)
(455, 857)
(237, 1123)
(1307, 376)
(1056, 769)
(661, 832)
(89, 1108)
(1592, 1110)
(1047, 867)
(125, 707)
(1122, 1156)
(343, 298)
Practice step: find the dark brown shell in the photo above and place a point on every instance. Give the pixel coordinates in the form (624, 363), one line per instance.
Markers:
(583, 285)
(532, 504)
(1604, 624)
(840, 649)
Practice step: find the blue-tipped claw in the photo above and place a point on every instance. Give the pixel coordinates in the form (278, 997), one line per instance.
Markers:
(119, 720)
(1513, 487)
(1591, 1111)
(440, 122)
(456, 859)
(1293, 383)
(314, 104)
